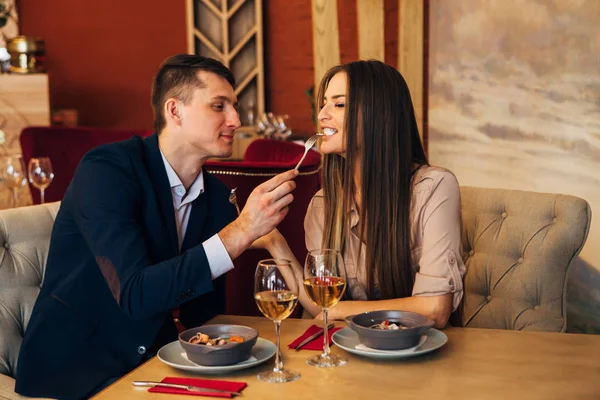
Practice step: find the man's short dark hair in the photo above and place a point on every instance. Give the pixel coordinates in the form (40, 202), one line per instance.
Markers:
(177, 78)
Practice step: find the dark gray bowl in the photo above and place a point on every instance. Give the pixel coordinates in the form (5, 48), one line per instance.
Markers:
(389, 340)
(226, 354)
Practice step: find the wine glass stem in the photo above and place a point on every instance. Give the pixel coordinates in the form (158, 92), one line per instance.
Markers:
(278, 362)
(14, 193)
(325, 335)
(41, 196)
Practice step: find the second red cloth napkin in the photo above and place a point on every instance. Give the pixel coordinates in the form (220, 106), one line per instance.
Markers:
(212, 384)
(315, 344)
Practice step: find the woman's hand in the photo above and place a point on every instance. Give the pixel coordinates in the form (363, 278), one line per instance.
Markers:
(436, 308)
(268, 241)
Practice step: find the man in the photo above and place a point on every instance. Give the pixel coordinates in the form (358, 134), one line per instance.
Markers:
(142, 231)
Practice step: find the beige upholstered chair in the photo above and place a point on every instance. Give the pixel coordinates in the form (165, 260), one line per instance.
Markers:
(517, 249)
(24, 239)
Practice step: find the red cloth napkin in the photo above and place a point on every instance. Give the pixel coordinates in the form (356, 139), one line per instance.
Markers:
(315, 344)
(212, 384)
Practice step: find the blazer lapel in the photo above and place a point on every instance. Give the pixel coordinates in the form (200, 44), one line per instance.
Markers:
(162, 188)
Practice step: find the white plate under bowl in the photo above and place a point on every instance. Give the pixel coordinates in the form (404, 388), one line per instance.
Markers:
(347, 339)
(171, 354)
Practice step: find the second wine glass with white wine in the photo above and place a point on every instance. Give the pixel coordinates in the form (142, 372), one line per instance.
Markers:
(276, 295)
(325, 284)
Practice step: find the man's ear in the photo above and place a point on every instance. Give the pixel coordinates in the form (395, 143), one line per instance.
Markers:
(173, 111)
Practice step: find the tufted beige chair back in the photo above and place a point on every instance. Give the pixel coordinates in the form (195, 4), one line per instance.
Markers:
(517, 248)
(24, 240)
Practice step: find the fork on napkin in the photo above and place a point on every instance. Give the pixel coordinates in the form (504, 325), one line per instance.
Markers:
(317, 342)
(228, 386)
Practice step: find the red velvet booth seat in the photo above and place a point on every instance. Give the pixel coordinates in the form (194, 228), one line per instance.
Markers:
(263, 160)
(66, 147)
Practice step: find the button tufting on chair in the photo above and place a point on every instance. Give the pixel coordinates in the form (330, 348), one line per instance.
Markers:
(21, 274)
(549, 246)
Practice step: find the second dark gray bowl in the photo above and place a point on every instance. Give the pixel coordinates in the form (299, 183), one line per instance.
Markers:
(389, 340)
(226, 354)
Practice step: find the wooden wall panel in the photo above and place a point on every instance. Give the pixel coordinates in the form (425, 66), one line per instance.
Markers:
(410, 52)
(326, 43)
(371, 43)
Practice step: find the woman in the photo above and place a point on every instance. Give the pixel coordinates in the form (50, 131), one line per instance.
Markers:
(395, 219)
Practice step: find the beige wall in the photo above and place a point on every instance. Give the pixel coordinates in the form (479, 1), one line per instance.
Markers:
(514, 98)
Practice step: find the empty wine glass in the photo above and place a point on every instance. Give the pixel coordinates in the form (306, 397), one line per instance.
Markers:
(325, 283)
(14, 175)
(40, 174)
(276, 295)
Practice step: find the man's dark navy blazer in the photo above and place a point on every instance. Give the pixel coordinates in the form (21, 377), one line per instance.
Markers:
(114, 272)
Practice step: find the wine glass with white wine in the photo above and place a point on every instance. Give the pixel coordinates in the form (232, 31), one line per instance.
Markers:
(40, 174)
(325, 283)
(276, 295)
(14, 175)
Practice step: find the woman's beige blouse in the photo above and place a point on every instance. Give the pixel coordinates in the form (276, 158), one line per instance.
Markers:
(435, 237)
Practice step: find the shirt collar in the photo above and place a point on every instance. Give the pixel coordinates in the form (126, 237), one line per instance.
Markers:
(177, 188)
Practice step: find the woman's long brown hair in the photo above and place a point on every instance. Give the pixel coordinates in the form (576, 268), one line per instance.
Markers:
(381, 128)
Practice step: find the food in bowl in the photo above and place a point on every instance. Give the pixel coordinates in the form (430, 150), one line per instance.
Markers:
(202, 338)
(387, 325)
(413, 325)
(229, 353)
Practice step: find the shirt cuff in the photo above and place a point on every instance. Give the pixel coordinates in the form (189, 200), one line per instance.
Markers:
(427, 285)
(217, 255)
(445, 276)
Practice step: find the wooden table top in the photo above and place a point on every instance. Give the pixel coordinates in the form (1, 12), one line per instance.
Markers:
(474, 364)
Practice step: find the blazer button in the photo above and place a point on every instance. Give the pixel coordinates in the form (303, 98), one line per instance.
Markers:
(142, 349)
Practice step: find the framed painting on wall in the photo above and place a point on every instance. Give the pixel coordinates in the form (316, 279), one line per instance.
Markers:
(513, 102)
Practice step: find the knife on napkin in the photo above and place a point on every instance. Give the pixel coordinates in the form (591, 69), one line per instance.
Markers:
(185, 387)
(312, 337)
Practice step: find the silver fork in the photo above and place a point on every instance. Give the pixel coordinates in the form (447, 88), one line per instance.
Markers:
(307, 146)
(233, 200)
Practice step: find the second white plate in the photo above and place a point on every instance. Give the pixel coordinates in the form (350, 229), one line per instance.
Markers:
(347, 339)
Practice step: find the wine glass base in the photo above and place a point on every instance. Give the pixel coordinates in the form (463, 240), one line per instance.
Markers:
(327, 362)
(281, 376)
